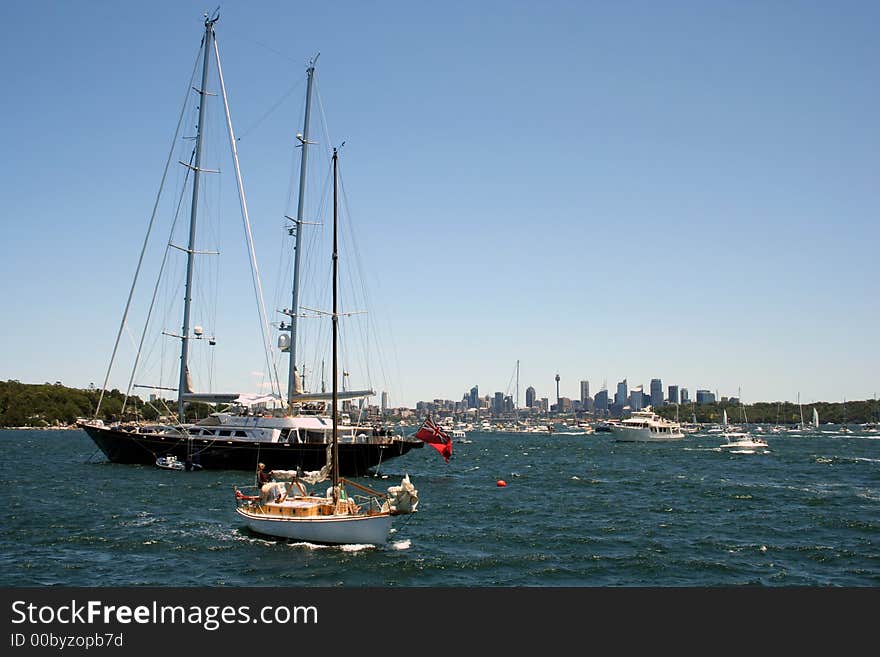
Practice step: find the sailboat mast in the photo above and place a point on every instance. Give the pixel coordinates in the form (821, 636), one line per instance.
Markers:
(294, 308)
(183, 384)
(335, 331)
(516, 400)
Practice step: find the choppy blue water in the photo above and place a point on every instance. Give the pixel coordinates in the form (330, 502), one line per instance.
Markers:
(578, 510)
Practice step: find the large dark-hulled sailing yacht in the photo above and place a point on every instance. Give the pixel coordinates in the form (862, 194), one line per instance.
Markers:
(289, 432)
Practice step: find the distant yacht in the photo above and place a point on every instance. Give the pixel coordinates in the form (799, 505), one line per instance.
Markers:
(646, 427)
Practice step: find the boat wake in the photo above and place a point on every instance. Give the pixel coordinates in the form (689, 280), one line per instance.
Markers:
(354, 547)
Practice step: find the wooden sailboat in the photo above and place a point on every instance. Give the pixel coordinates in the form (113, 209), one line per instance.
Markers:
(288, 511)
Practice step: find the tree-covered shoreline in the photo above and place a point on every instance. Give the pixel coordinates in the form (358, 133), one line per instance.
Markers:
(55, 405)
(777, 412)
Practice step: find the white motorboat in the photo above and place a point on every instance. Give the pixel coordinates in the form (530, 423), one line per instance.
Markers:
(646, 427)
(739, 440)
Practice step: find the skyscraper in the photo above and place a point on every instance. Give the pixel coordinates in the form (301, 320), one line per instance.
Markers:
(530, 397)
(637, 398)
(673, 395)
(656, 393)
(622, 395)
(585, 391)
(474, 400)
(705, 397)
(600, 403)
(685, 396)
(384, 402)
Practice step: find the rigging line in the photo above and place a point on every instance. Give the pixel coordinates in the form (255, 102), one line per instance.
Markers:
(158, 283)
(147, 237)
(370, 327)
(311, 270)
(509, 390)
(271, 110)
(231, 33)
(255, 272)
(361, 276)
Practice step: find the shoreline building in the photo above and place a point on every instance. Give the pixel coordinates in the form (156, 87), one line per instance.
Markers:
(705, 397)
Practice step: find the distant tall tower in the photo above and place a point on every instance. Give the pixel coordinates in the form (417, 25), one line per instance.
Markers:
(530, 396)
(557, 389)
(384, 403)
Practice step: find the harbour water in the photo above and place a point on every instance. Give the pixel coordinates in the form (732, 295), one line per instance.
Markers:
(577, 510)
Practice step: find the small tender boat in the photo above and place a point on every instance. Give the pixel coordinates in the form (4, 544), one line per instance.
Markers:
(170, 463)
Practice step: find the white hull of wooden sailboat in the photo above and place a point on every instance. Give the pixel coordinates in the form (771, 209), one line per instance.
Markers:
(337, 530)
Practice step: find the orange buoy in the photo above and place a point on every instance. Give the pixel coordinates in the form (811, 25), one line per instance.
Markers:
(501, 483)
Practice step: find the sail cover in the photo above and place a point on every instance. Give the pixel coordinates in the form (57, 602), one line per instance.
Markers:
(245, 399)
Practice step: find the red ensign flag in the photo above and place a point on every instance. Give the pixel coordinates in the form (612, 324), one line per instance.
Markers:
(436, 438)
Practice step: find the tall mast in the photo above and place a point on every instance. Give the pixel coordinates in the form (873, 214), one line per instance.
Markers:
(335, 329)
(516, 399)
(294, 308)
(183, 386)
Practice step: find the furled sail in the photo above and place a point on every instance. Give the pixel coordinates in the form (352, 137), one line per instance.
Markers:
(311, 476)
(402, 499)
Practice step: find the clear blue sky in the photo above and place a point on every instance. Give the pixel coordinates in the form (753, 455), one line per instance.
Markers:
(608, 190)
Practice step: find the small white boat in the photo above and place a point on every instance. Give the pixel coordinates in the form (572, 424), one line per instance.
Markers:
(170, 463)
(738, 440)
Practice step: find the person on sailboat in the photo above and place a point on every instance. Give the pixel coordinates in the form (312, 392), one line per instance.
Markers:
(269, 488)
(263, 476)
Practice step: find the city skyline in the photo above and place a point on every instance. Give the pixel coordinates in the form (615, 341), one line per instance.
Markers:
(670, 394)
(593, 190)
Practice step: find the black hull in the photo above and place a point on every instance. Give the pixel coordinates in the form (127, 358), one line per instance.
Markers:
(355, 459)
